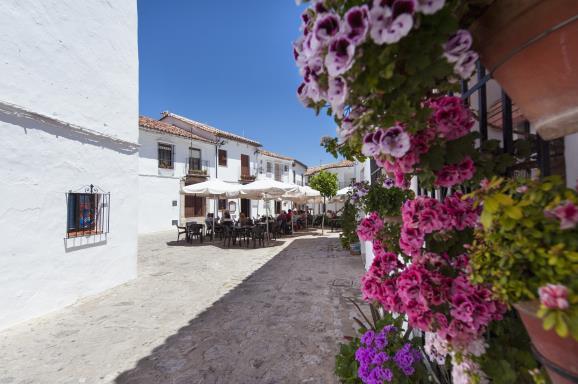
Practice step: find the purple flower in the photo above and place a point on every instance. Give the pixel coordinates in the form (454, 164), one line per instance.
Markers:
(466, 65)
(457, 45)
(554, 296)
(379, 374)
(357, 24)
(381, 340)
(429, 7)
(380, 358)
(346, 130)
(395, 141)
(326, 27)
(388, 183)
(405, 358)
(336, 94)
(339, 58)
(368, 337)
(390, 24)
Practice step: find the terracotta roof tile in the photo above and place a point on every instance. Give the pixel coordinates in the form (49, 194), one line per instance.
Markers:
(212, 130)
(341, 164)
(273, 154)
(159, 126)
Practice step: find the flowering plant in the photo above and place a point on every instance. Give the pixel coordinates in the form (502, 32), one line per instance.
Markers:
(528, 246)
(374, 61)
(386, 355)
(384, 198)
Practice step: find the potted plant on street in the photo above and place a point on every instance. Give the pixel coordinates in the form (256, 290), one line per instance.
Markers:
(326, 183)
(528, 250)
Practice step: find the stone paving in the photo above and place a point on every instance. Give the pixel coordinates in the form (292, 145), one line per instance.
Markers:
(199, 314)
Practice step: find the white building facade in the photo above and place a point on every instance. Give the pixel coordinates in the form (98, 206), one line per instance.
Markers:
(68, 118)
(176, 151)
(348, 172)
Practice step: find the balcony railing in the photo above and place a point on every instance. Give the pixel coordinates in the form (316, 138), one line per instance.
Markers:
(247, 177)
(197, 167)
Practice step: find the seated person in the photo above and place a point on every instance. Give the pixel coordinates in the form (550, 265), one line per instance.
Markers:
(242, 219)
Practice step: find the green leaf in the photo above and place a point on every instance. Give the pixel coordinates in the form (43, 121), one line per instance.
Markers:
(486, 219)
(561, 328)
(514, 212)
(549, 321)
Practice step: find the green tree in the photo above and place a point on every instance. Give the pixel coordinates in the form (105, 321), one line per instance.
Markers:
(326, 184)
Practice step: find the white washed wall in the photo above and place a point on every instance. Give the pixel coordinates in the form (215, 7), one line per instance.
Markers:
(75, 62)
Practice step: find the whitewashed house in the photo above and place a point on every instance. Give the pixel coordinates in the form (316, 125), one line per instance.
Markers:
(299, 170)
(176, 151)
(348, 172)
(68, 120)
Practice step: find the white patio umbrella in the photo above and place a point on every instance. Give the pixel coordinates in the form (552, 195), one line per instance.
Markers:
(265, 189)
(214, 189)
(341, 195)
(302, 195)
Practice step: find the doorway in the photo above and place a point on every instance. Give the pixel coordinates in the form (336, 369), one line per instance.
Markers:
(246, 207)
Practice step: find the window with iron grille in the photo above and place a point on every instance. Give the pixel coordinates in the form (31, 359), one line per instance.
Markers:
(88, 212)
(269, 167)
(194, 159)
(166, 156)
(222, 158)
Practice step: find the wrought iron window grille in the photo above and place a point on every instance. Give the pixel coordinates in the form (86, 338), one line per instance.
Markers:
(88, 211)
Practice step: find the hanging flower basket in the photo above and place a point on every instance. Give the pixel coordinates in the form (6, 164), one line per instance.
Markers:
(558, 355)
(530, 46)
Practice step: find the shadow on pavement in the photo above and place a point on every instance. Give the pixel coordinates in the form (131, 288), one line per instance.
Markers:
(280, 325)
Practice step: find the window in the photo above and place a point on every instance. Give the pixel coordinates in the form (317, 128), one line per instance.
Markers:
(285, 168)
(222, 204)
(87, 212)
(245, 171)
(269, 167)
(166, 159)
(277, 171)
(194, 159)
(194, 206)
(277, 207)
(222, 158)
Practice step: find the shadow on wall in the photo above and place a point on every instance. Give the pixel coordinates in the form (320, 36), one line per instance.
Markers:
(280, 325)
(30, 120)
(82, 242)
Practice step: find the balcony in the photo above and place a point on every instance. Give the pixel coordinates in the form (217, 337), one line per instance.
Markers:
(197, 167)
(246, 178)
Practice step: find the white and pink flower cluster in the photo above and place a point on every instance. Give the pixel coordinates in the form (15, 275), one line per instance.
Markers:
(554, 296)
(457, 51)
(566, 212)
(329, 42)
(425, 215)
(398, 152)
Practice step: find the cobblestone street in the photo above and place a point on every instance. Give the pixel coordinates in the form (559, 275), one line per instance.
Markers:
(199, 314)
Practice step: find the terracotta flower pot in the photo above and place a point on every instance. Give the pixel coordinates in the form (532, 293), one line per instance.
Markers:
(556, 352)
(542, 78)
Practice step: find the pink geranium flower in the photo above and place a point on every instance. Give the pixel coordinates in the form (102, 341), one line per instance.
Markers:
(554, 296)
(369, 227)
(567, 213)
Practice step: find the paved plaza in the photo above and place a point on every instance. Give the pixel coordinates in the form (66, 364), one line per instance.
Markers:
(199, 314)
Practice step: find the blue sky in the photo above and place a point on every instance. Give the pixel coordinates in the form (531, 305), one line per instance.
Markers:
(229, 64)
